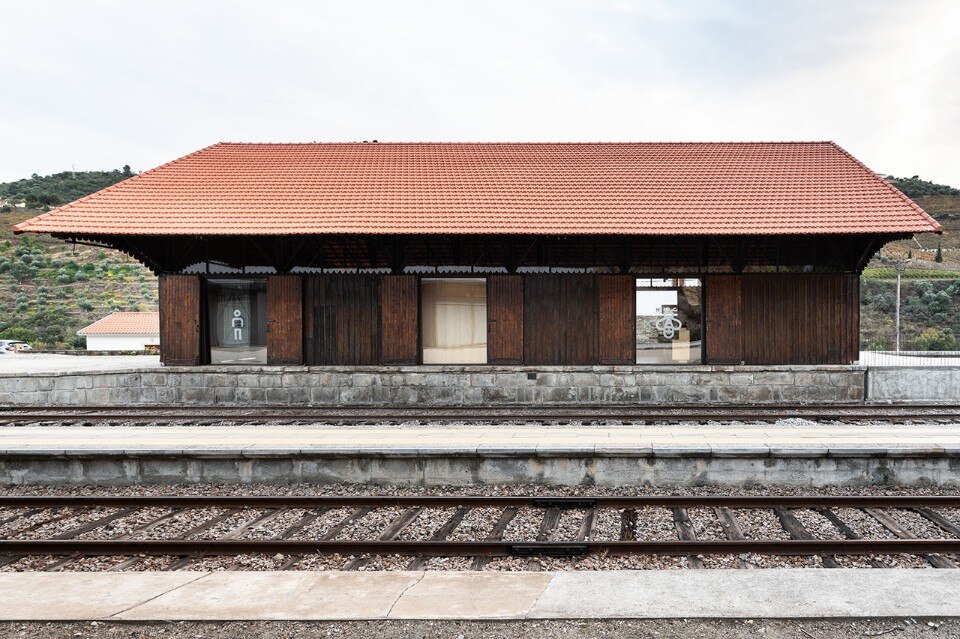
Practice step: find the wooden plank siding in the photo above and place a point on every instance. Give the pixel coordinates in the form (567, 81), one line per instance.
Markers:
(617, 319)
(399, 313)
(784, 318)
(561, 319)
(284, 320)
(179, 305)
(723, 319)
(505, 319)
(342, 319)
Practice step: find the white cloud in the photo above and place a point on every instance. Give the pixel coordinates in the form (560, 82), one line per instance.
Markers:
(98, 85)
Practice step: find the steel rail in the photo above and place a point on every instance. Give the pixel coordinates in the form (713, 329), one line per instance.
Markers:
(484, 415)
(799, 543)
(181, 547)
(446, 501)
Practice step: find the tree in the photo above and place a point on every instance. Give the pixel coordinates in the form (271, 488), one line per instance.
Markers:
(19, 333)
(935, 339)
(939, 255)
(21, 271)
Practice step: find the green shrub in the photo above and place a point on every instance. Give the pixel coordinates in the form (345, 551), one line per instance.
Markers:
(935, 339)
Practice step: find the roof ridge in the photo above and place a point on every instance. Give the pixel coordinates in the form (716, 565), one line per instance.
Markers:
(519, 143)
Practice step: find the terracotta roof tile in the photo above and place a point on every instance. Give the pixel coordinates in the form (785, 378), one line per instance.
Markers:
(527, 188)
(126, 323)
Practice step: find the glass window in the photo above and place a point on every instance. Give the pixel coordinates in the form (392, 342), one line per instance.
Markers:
(238, 321)
(668, 321)
(454, 321)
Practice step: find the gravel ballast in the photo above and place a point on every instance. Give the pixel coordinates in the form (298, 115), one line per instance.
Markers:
(651, 523)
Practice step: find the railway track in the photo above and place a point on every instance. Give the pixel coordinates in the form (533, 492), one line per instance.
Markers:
(151, 415)
(191, 527)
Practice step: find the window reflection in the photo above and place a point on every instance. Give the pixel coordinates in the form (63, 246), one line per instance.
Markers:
(668, 321)
(454, 315)
(238, 326)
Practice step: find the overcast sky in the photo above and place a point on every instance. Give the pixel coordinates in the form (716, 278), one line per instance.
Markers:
(96, 85)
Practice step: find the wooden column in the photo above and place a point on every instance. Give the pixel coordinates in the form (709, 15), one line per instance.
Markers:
(399, 319)
(723, 319)
(618, 318)
(284, 320)
(505, 319)
(179, 301)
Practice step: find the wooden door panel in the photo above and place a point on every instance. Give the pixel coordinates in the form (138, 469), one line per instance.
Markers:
(179, 304)
(505, 319)
(285, 320)
(399, 310)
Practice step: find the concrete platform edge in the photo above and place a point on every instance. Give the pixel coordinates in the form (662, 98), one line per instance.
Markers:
(334, 595)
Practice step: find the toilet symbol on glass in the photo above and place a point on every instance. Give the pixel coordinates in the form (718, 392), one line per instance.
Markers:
(237, 325)
(667, 325)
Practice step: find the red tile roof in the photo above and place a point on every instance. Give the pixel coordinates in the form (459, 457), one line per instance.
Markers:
(526, 188)
(124, 323)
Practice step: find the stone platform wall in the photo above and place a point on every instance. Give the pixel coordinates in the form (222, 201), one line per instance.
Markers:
(936, 384)
(439, 386)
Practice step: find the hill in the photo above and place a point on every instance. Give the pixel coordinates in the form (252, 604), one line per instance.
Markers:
(52, 289)
(60, 188)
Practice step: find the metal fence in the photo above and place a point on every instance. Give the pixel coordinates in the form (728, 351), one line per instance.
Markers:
(910, 358)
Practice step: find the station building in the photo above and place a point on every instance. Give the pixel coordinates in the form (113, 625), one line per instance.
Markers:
(539, 254)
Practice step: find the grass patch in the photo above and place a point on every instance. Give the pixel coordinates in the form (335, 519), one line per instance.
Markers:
(910, 274)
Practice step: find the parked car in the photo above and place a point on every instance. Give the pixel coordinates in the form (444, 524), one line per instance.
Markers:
(11, 346)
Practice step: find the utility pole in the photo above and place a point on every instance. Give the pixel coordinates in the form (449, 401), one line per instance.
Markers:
(900, 266)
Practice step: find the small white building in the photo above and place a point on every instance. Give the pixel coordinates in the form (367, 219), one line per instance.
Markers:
(125, 331)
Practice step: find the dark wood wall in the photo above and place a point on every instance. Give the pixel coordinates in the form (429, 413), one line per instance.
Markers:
(723, 319)
(617, 321)
(785, 318)
(505, 319)
(179, 305)
(285, 320)
(560, 317)
(341, 319)
(399, 319)
(533, 319)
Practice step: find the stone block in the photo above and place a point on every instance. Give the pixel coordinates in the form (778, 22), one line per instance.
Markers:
(267, 380)
(99, 396)
(741, 379)
(248, 380)
(225, 395)
(324, 395)
(500, 394)
(277, 395)
(773, 378)
(356, 395)
(335, 470)
(248, 394)
(196, 395)
(586, 379)
(26, 384)
(163, 470)
(759, 394)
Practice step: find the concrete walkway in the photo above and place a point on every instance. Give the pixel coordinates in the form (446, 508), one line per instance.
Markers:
(774, 593)
(790, 437)
(23, 364)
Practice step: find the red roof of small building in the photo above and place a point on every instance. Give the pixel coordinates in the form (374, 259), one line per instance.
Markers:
(124, 323)
(721, 188)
